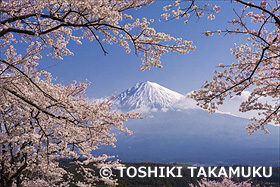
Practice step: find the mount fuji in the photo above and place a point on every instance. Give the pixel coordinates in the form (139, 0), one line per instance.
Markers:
(176, 130)
(150, 95)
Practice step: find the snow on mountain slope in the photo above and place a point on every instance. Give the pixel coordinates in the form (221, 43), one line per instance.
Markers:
(147, 94)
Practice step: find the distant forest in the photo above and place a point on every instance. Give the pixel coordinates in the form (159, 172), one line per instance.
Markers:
(184, 181)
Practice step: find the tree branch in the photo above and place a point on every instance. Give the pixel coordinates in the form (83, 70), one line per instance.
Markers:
(277, 20)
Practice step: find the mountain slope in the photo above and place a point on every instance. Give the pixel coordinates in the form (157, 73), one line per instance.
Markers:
(147, 94)
(196, 137)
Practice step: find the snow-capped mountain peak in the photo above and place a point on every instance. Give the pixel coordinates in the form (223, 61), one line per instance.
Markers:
(149, 95)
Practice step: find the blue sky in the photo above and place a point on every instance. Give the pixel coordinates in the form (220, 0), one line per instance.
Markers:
(117, 71)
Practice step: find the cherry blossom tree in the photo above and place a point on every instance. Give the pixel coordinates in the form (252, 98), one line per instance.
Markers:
(257, 62)
(256, 69)
(42, 122)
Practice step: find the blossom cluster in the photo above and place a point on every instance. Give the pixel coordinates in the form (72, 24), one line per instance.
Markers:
(225, 182)
(188, 9)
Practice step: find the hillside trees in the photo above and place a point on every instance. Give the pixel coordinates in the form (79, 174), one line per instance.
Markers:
(225, 182)
(257, 62)
(42, 122)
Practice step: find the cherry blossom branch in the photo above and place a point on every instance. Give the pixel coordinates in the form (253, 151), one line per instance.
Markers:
(277, 20)
(244, 80)
(36, 85)
(37, 107)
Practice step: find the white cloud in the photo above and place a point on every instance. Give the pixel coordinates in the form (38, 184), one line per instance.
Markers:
(154, 110)
(142, 109)
(164, 109)
(232, 105)
(185, 103)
